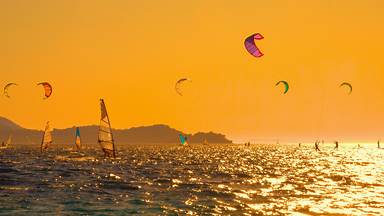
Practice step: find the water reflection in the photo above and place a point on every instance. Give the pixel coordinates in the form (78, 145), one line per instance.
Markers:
(216, 179)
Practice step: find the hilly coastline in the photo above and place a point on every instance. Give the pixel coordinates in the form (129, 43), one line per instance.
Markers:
(154, 134)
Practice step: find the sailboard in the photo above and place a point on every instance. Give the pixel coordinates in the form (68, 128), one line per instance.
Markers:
(7, 143)
(205, 142)
(47, 138)
(78, 139)
(106, 140)
(183, 140)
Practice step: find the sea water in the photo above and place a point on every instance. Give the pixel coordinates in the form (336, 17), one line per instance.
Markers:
(195, 180)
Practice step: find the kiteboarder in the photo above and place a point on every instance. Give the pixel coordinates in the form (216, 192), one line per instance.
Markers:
(336, 145)
(317, 145)
(378, 143)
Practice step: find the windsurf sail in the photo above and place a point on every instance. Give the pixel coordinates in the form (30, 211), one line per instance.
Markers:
(9, 141)
(183, 139)
(205, 142)
(105, 133)
(47, 138)
(78, 139)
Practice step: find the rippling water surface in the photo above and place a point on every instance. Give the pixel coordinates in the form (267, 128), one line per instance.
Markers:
(197, 180)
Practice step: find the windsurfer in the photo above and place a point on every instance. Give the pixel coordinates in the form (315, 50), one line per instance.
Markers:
(336, 145)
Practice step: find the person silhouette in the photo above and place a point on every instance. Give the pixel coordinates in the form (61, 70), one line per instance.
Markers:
(317, 146)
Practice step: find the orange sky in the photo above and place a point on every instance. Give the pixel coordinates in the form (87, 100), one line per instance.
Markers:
(132, 52)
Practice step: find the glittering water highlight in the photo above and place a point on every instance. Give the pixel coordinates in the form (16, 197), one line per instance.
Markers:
(196, 180)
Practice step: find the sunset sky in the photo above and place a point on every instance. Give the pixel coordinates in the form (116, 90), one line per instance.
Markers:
(131, 53)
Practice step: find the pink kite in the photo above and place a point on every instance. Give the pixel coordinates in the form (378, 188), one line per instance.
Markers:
(250, 45)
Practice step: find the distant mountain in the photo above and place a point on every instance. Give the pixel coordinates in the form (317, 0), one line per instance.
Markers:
(6, 124)
(155, 134)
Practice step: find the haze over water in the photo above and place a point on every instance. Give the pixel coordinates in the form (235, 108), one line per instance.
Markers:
(197, 180)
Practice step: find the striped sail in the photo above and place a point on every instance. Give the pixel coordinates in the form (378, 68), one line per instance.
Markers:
(105, 133)
(78, 139)
(183, 139)
(47, 138)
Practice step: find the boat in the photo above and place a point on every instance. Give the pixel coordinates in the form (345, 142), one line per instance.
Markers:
(47, 138)
(183, 140)
(6, 144)
(106, 140)
(78, 139)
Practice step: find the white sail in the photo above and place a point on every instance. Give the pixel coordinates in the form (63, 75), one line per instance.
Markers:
(78, 139)
(47, 138)
(105, 132)
(205, 142)
(9, 141)
(5, 144)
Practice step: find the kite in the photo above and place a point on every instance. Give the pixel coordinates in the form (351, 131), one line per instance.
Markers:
(347, 85)
(285, 84)
(6, 89)
(179, 85)
(47, 89)
(250, 44)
